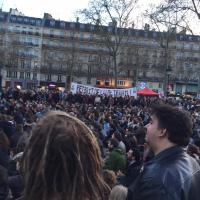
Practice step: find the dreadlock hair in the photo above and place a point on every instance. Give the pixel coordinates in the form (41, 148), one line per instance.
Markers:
(62, 161)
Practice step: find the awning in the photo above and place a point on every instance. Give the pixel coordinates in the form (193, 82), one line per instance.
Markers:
(147, 92)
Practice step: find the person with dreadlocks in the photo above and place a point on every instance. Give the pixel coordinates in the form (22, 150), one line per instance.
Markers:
(62, 161)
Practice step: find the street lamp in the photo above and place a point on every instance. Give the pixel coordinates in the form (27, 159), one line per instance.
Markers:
(1, 66)
(168, 72)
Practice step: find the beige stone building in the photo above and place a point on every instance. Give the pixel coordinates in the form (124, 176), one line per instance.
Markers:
(44, 51)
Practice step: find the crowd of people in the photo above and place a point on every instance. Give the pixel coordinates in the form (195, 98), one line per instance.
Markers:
(57, 145)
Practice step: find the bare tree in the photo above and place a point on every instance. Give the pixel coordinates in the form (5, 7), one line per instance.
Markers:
(71, 55)
(182, 13)
(166, 23)
(2, 49)
(130, 62)
(101, 63)
(111, 18)
(62, 59)
(190, 6)
(2, 53)
(11, 52)
(46, 60)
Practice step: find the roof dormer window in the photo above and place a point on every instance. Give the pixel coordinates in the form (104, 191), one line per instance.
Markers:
(52, 23)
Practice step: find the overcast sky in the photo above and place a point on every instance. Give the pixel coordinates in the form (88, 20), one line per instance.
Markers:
(59, 9)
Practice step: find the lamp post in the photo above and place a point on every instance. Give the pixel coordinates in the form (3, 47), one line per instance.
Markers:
(198, 90)
(1, 66)
(168, 73)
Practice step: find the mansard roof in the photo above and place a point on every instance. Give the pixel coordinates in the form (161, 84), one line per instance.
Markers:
(58, 24)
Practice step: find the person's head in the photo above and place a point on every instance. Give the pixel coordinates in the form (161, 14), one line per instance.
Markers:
(133, 154)
(110, 177)
(193, 151)
(140, 135)
(113, 144)
(168, 126)
(62, 160)
(119, 192)
(117, 135)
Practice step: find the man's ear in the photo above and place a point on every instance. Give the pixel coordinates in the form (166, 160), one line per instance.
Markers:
(163, 132)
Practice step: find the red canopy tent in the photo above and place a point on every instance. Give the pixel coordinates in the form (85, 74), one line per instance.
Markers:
(147, 92)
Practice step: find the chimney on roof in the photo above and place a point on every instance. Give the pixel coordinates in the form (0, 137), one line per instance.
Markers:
(146, 27)
(172, 30)
(183, 31)
(98, 22)
(15, 12)
(47, 16)
(77, 20)
(113, 23)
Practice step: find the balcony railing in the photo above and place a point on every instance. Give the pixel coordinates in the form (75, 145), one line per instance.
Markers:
(185, 80)
(24, 43)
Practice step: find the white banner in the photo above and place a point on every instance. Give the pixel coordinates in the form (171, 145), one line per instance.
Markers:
(86, 89)
(198, 96)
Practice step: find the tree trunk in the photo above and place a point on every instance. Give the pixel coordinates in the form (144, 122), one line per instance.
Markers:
(115, 70)
(68, 83)
(69, 79)
(165, 86)
(198, 91)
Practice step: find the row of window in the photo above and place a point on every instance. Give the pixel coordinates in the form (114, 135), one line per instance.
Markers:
(62, 24)
(108, 82)
(28, 64)
(49, 78)
(72, 36)
(22, 75)
(28, 20)
(29, 40)
(112, 28)
(25, 30)
(83, 36)
(27, 75)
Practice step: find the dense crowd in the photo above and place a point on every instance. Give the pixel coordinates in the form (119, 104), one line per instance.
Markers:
(118, 124)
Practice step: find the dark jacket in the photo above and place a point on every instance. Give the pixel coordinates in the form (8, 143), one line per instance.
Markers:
(3, 183)
(4, 158)
(132, 171)
(16, 185)
(170, 175)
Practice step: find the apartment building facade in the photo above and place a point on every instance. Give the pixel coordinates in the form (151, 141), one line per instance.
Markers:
(44, 51)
